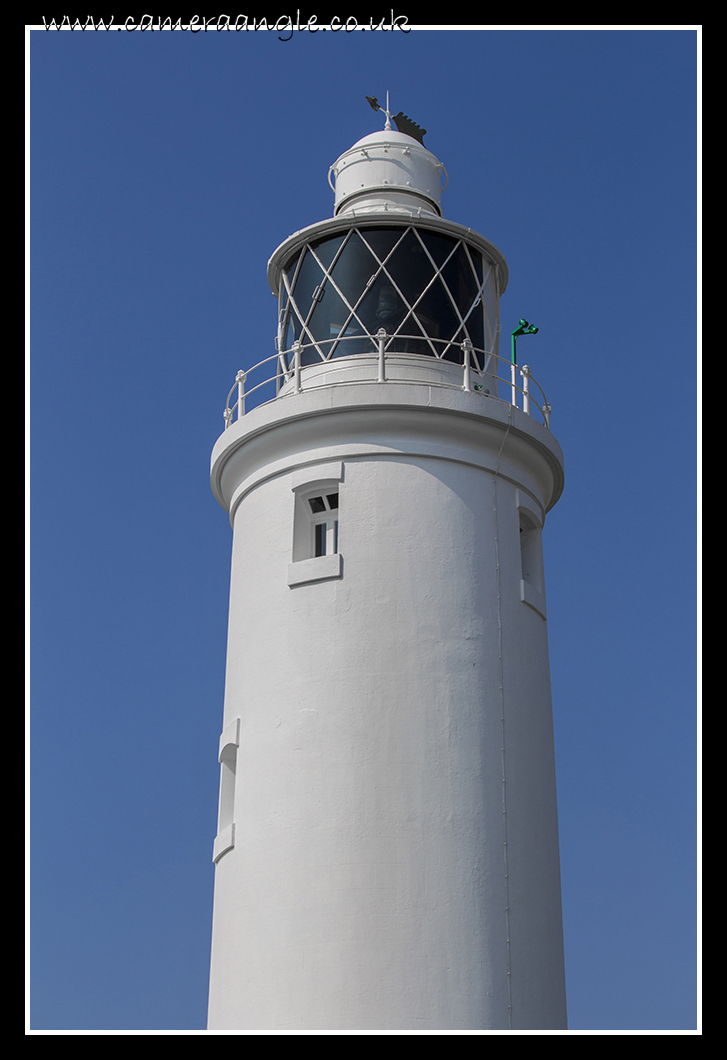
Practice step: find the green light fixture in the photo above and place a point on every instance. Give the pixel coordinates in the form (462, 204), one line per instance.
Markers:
(523, 329)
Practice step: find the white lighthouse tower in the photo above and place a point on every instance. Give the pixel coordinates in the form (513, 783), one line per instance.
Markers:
(387, 847)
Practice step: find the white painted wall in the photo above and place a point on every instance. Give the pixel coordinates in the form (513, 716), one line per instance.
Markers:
(395, 859)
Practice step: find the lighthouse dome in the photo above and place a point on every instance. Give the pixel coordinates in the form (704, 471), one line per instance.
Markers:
(387, 171)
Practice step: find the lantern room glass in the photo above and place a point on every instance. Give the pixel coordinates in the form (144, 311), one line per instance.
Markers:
(429, 292)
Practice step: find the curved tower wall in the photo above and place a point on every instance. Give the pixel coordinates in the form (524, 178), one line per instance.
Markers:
(387, 853)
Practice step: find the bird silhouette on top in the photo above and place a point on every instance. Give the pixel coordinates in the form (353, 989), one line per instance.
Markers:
(403, 123)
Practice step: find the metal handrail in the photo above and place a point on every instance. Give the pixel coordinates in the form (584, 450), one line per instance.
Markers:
(290, 368)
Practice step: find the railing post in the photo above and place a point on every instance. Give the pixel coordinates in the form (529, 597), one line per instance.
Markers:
(466, 352)
(240, 380)
(228, 418)
(296, 366)
(513, 382)
(525, 372)
(546, 414)
(381, 336)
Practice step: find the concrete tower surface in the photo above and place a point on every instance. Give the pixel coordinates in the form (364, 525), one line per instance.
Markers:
(387, 848)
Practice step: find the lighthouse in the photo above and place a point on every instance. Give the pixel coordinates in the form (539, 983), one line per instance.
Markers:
(386, 855)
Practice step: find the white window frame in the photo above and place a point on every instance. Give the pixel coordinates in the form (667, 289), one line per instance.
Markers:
(321, 481)
(325, 521)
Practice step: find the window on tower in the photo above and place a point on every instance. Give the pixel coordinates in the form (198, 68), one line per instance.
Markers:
(229, 743)
(315, 550)
(324, 523)
(532, 580)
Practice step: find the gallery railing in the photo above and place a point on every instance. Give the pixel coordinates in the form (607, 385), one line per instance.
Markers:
(481, 370)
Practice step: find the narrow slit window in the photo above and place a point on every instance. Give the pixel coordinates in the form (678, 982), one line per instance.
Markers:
(229, 743)
(228, 763)
(532, 581)
(531, 554)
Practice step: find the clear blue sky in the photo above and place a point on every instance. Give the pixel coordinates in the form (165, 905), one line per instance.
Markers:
(164, 171)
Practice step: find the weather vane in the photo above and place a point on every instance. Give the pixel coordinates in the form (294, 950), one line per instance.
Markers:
(402, 122)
